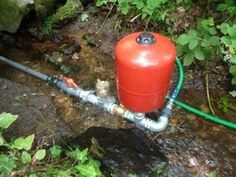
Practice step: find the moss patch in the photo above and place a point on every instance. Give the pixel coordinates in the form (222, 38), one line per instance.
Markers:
(62, 15)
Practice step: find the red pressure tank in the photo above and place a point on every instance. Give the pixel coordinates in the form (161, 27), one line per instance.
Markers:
(144, 64)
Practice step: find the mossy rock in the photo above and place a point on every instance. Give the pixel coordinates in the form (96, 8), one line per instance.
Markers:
(43, 7)
(12, 12)
(62, 15)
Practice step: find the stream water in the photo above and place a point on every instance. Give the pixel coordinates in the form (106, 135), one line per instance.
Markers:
(190, 146)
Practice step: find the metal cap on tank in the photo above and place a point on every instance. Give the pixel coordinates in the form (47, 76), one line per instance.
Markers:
(146, 38)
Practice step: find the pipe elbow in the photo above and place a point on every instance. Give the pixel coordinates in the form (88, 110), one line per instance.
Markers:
(155, 126)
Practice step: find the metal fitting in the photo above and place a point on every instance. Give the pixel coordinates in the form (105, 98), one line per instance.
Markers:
(102, 88)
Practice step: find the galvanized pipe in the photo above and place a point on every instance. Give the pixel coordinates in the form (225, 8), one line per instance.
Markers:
(109, 105)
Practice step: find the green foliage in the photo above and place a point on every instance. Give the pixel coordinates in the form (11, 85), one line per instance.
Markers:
(201, 43)
(64, 69)
(25, 157)
(62, 15)
(23, 143)
(84, 17)
(225, 105)
(40, 154)
(55, 151)
(90, 168)
(233, 93)
(6, 120)
(132, 175)
(209, 41)
(7, 163)
(212, 174)
(229, 41)
(228, 6)
(155, 10)
(18, 159)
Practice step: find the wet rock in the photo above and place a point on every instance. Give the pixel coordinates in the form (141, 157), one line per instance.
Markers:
(125, 151)
(69, 49)
(37, 114)
(11, 14)
(8, 39)
(43, 7)
(91, 41)
(57, 38)
(107, 47)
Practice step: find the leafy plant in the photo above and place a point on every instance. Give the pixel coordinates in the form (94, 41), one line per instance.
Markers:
(228, 6)
(229, 41)
(201, 43)
(209, 41)
(155, 10)
(225, 104)
(18, 158)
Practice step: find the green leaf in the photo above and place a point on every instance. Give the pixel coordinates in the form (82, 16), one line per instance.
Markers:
(231, 30)
(139, 4)
(1, 140)
(192, 33)
(25, 157)
(6, 119)
(198, 53)
(214, 40)
(63, 174)
(124, 7)
(55, 151)
(223, 28)
(183, 39)
(208, 25)
(205, 43)
(233, 59)
(132, 175)
(232, 69)
(84, 17)
(233, 81)
(82, 156)
(100, 3)
(23, 143)
(96, 148)
(212, 174)
(188, 59)
(40, 154)
(233, 93)
(193, 44)
(90, 169)
(226, 40)
(7, 164)
(33, 175)
(221, 7)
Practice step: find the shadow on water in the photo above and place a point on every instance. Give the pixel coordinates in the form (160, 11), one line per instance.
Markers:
(125, 150)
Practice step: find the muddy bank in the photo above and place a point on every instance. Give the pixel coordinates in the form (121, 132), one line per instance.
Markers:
(37, 114)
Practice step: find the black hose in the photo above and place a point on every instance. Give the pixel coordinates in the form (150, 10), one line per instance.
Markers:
(24, 68)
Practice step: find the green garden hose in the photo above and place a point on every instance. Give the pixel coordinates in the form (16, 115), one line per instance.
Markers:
(206, 116)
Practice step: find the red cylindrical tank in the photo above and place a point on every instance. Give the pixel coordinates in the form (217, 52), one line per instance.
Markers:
(144, 64)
